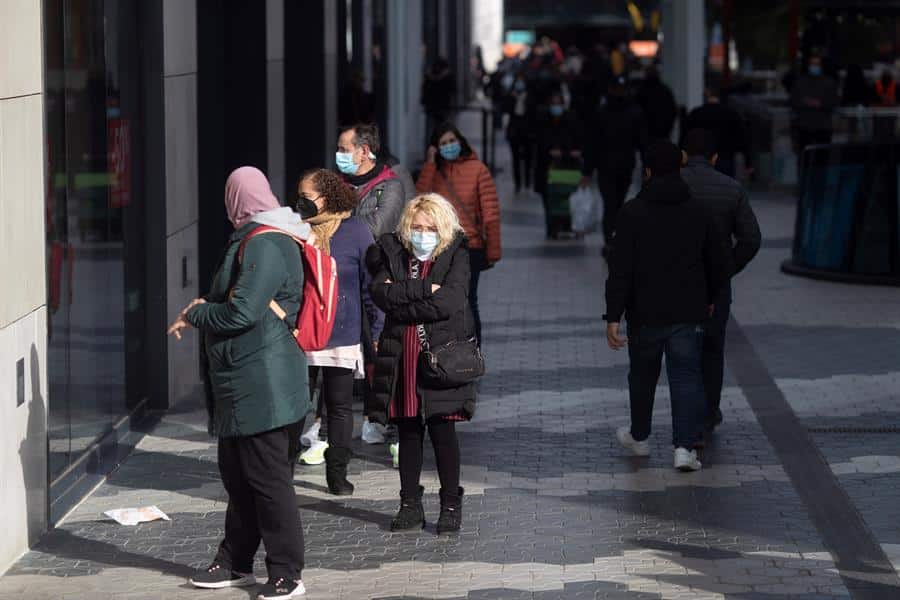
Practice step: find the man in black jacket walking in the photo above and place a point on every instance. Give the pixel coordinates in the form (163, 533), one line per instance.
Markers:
(618, 132)
(728, 201)
(668, 261)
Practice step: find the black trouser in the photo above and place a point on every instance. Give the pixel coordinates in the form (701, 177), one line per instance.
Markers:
(337, 396)
(369, 356)
(714, 356)
(613, 186)
(446, 453)
(522, 150)
(258, 474)
(477, 263)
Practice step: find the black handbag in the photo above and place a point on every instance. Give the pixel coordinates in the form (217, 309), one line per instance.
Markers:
(450, 365)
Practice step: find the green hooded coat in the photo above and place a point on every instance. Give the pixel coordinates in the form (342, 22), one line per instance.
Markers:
(257, 372)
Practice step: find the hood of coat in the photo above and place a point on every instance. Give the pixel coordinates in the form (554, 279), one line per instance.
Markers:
(668, 190)
(285, 219)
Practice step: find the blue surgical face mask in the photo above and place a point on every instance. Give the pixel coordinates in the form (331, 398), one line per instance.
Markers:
(815, 70)
(423, 243)
(451, 151)
(345, 164)
(557, 110)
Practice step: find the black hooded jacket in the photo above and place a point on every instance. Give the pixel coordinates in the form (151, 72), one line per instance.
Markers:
(669, 258)
(445, 314)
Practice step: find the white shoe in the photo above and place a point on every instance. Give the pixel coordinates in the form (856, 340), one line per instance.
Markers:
(394, 449)
(311, 435)
(372, 433)
(285, 594)
(623, 434)
(316, 453)
(686, 460)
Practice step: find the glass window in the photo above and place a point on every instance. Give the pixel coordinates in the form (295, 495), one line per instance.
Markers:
(95, 239)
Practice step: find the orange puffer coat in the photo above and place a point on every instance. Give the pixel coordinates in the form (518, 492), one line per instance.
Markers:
(474, 190)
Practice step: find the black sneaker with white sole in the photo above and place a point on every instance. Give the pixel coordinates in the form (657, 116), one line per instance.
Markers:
(281, 589)
(217, 577)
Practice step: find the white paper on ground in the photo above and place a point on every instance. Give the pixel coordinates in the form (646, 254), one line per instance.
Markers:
(133, 516)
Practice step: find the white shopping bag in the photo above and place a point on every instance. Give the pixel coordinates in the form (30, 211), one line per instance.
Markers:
(583, 206)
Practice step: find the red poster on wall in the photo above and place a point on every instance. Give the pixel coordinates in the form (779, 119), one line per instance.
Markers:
(119, 162)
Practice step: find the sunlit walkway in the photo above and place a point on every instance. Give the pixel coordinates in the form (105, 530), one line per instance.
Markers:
(553, 508)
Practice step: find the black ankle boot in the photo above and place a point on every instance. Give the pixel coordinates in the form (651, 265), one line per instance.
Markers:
(450, 520)
(411, 514)
(336, 461)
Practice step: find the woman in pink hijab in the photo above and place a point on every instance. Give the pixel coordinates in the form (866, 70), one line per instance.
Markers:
(258, 388)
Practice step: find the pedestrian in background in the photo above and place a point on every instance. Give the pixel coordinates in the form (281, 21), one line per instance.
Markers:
(658, 103)
(420, 279)
(560, 144)
(346, 239)
(259, 384)
(729, 203)
(438, 93)
(668, 263)
(381, 200)
(727, 129)
(520, 133)
(814, 96)
(452, 169)
(617, 133)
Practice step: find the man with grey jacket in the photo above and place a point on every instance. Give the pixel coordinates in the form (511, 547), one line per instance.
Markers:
(380, 190)
(730, 205)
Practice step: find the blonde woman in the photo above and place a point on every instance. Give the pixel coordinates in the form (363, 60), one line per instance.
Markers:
(420, 279)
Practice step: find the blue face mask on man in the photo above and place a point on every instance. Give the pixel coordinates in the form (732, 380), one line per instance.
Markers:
(345, 164)
(557, 110)
(451, 151)
(815, 70)
(423, 243)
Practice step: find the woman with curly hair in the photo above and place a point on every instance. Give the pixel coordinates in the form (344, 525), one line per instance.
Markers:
(346, 239)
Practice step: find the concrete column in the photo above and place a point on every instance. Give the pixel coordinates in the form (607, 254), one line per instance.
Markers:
(23, 310)
(181, 168)
(275, 98)
(404, 77)
(330, 89)
(684, 49)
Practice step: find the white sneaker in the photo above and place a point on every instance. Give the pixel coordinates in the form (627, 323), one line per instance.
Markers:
(686, 460)
(316, 453)
(623, 434)
(394, 449)
(311, 435)
(372, 433)
(273, 592)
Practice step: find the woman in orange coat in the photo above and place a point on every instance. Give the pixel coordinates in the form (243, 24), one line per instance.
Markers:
(453, 170)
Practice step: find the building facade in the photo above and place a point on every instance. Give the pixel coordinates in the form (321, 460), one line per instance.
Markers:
(119, 122)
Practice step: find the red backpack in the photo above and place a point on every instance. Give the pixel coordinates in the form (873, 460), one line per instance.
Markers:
(320, 290)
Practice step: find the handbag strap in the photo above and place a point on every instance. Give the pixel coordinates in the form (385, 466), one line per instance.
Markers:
(460, 206)
(414, 273)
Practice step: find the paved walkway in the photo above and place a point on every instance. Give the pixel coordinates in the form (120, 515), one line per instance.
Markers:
(553, 508)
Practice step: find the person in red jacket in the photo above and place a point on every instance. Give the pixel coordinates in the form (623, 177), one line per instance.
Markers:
(452, 169)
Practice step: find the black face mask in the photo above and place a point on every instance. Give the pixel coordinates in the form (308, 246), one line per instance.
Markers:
(306, 208)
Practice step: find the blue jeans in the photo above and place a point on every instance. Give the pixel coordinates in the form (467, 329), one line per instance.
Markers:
(682, 346)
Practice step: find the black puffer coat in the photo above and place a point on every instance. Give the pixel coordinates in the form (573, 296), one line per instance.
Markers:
(445, 314)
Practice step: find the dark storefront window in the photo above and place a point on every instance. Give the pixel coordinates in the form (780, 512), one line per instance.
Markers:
(95, 239)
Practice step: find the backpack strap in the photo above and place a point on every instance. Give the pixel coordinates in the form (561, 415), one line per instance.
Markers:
(273, 306)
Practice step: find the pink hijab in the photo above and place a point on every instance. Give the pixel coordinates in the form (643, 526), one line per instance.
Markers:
(247, 192)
